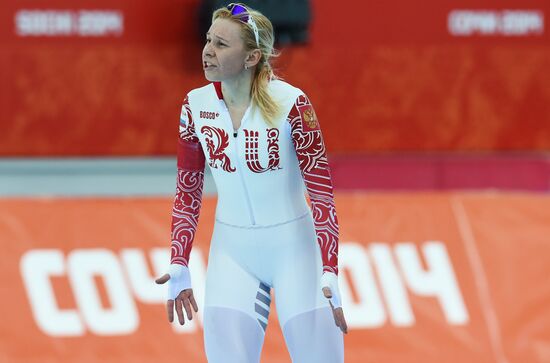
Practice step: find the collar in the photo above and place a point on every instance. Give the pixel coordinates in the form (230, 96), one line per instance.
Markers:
(218, 87)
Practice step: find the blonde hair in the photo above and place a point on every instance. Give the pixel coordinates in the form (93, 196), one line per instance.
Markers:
(269, 108)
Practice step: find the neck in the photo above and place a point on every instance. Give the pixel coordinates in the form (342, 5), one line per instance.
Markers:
(236, 91)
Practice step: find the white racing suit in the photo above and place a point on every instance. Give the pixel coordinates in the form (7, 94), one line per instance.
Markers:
(265, 235)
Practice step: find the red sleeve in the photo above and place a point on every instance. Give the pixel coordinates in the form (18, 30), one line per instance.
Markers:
(187, 202)
(312, 158)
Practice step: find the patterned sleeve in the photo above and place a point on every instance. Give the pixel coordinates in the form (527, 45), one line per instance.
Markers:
(187, 202)
(312, 158)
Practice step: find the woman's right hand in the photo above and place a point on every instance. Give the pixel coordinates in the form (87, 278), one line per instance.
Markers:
(180, 293)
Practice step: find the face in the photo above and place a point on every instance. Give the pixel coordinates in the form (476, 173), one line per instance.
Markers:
(224, 55)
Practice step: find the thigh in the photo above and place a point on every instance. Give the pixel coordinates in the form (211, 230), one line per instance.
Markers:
(231, 336)
(312, 337)
(304, 313)
(297, 275)
(236, 305)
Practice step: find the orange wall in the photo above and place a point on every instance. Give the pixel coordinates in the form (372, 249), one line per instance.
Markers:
(424, 278)
(383, 77)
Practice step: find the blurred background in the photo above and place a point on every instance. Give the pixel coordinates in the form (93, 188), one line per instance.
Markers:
(436, 117)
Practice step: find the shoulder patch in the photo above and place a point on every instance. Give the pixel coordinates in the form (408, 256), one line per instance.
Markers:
(309, 118)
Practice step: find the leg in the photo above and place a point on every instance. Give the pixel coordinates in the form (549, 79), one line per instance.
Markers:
(304, 313)
(236, 304)
(231, 336)
(312, 337)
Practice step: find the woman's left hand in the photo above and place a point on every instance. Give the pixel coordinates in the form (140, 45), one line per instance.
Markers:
(329, 285)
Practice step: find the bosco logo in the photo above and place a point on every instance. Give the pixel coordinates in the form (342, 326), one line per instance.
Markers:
(209, 115)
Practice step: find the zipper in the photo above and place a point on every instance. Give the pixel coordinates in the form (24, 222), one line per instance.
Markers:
(247, 196)
(239, 164)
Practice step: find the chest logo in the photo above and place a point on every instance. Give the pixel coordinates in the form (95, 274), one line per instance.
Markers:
(252, 152)
(208, 115)
(217, 142)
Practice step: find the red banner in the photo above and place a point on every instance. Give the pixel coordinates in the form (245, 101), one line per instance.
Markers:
(108, 77)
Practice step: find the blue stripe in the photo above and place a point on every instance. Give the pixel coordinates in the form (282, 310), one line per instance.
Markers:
(260, 310)
(264, 325)
(264, 287)
(263, 298)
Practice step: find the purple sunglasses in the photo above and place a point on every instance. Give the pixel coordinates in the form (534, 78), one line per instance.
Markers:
(242, 13)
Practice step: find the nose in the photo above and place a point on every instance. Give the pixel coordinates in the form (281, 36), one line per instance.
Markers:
(208, 50)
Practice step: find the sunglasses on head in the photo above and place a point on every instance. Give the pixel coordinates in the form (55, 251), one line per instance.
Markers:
(242, 13)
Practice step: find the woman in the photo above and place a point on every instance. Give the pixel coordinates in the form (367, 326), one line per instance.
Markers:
(261, 140)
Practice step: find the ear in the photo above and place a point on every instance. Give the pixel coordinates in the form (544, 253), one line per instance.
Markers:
(253, 57)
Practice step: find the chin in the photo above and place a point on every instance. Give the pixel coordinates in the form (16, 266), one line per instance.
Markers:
(211, 77)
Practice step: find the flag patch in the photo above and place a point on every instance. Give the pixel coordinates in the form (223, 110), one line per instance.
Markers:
(309, 118)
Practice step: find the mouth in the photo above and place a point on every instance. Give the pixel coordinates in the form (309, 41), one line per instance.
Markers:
(207, 65)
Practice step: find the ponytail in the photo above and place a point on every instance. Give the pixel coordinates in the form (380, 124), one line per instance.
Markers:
(269, 108)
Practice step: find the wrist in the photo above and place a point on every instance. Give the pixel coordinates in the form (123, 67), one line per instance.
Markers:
(330, 280)
(180, 279)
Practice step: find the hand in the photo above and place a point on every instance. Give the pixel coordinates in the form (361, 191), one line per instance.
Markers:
(329, 285)
(179, 293)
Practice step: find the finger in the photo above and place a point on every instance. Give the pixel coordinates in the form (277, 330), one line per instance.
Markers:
(187, 307)
(193, 302)
(338, 320)
(334, 314)
(331, 306)
(179, 311)
(170, 310)
(327, 292)
(161, 280)
(342, 320)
